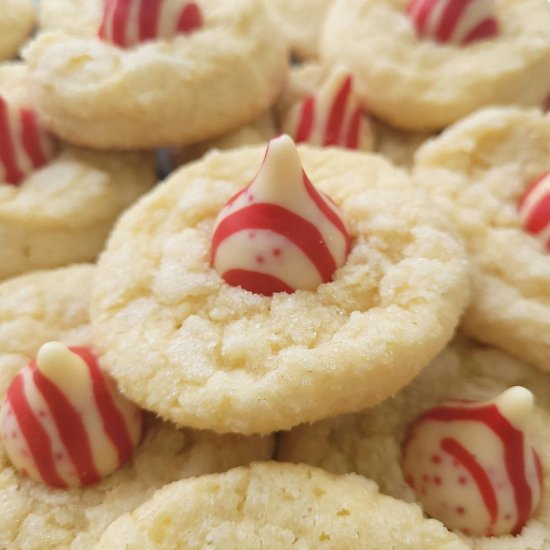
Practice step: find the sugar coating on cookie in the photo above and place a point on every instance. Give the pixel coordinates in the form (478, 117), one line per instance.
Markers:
(204, 353)
(53, 305)
(63, 421)
(420, 84)
(17, 20)
(272, 505)
(370, 443)
(279, 234)
(471, 465)
(478, 172)
(160, 92)
(62, 211)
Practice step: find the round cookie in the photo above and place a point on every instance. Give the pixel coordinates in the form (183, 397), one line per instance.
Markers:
(62, 212)
(419, 84)
(17, 20)
(52, 305)
(159, 92)
(369, 443)
(272, 506)
(477, 171)
(205, 354)
(300, 24)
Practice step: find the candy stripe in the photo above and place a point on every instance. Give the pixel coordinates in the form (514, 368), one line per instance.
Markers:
(514, 458)
(331, 216)
(255, 281)
(306, 120)
(7, 147)
(71, 429)
(354, 130)
(531, 187)
(468, 460)
(31, 138)
(451, 15)
(113, 422)
(336, 116)
(120, 21)
(486, 29)
(275, 218)
(35, 435)
(539, 216)
(423, 14)
(190, 18)
(105, 28)
(149, 14)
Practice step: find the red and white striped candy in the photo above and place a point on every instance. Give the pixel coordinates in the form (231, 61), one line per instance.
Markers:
(25, 145)
(63, 422)
(279, 234)
(457, 22)
(128, 22)
(472, 467)
(332, 117)
(534, 209)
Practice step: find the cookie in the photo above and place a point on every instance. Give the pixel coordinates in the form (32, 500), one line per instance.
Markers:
(300, 24)
(52, 305)
(477, 172)
(110, 81)
(371, 443)
(257, 364)
(270, 505)
(58, 211)
(17, 20)
(417, 68)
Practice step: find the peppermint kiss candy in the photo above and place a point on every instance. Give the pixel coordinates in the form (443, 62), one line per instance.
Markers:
(471, 466)
(24, 144)
(129, 22)
(63, 422)
(330, 117)
(279, 234)
(457, 22)
(534, 209)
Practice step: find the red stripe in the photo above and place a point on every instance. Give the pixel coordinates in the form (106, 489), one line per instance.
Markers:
(149, 14)
(275, 218)
(450, 18)
(337, 113)
(121, 14)
(190, 19)
(422, 16)
(306, 120)
(413, 6)
(35, 435)
(30, 136)
(539, 216)
(7, 151)
(354, 130)
(327, 211)
(513, 445)
(468, 460)
(104, 30)
(531, 187)
(486, 29)
(254, 281)
(71, 429)
(113, 421)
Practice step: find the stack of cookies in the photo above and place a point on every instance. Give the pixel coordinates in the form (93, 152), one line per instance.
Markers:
(329, 327)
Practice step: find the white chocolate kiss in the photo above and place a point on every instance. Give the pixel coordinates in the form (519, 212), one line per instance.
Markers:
(31, 421)
(463, 461)
(301, 232)
(332, 116)
(458, 27)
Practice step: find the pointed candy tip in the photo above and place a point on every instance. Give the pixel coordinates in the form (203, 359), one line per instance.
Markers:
(51, 355)
(516, 404)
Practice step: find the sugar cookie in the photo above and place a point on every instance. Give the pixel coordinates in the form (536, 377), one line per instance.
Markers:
(271, 506)
(258, 364)
(477, 171)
